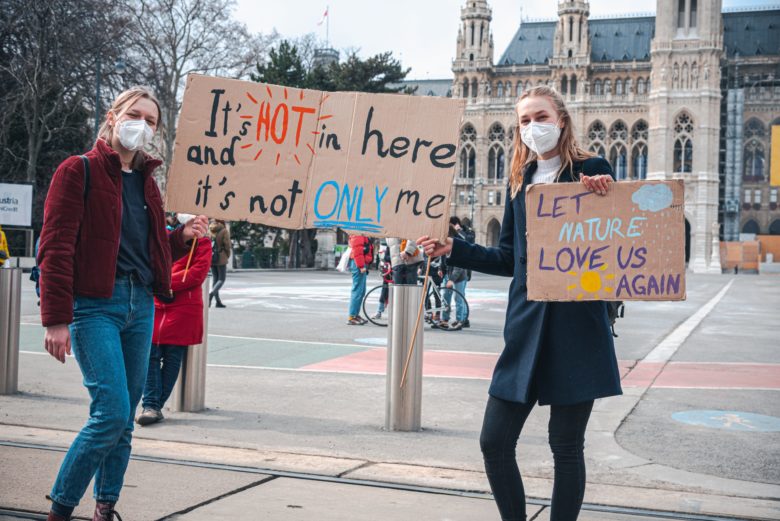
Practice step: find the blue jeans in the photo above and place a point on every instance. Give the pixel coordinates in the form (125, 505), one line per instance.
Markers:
(358, 289)
(460, 312)
(110, 338)
(164, 364)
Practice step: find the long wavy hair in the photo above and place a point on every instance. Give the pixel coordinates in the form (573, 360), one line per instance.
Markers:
(122, 104)
(569, 149)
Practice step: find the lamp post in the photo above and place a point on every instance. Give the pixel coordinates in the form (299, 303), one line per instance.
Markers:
(119, 66)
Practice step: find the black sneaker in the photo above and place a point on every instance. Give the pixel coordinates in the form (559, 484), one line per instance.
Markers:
(456, 326)
(220, 305)
(466, 323)
(149, 416)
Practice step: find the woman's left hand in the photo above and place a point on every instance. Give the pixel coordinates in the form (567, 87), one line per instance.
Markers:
(196, 228)
(598, 184)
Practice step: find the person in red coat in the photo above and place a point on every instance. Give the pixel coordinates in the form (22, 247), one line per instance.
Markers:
(178, 323)
(361, 256)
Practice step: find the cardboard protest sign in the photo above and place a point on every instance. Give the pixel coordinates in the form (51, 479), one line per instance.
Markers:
(375, 164)
(627, 245)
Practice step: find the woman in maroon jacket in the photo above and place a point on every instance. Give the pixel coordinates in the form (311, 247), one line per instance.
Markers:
(103, 253)
(177, 324)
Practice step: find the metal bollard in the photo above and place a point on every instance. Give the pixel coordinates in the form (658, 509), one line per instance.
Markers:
(10, 316)
(403, 406)
(189, 394)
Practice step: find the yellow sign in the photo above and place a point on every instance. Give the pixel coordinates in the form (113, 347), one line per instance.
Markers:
(774, 162)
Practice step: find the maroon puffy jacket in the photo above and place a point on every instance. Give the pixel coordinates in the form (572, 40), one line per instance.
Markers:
(79, 241)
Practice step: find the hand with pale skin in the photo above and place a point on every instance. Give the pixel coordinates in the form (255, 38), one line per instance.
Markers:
(57, 338)
(598, 184)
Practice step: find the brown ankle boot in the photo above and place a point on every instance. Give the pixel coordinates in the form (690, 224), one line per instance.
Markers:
(105, 512)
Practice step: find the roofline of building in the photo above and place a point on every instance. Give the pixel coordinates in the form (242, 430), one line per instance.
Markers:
(651, 14)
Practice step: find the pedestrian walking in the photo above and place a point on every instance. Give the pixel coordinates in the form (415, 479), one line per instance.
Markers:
(386, 270)
(103, 253)
(406, 259)
(464, 231)
(5, 254)
(220, 253)
(559, 354)
(454, 278)
(361, 255)
(178, 324)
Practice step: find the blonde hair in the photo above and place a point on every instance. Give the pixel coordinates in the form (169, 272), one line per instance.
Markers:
(122, 104)
(569, 149)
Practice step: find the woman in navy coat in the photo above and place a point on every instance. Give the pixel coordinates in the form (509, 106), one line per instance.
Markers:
(556, 353)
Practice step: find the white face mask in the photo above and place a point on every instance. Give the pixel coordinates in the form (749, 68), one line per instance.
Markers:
(135, 134)
(541, 137)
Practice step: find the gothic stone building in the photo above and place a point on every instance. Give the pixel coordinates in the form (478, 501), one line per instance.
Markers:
(689, 93)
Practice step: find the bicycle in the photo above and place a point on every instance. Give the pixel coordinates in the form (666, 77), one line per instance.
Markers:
(371, 303)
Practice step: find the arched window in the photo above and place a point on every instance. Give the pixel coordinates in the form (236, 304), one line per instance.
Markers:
(639, 161)
(774, 228)
(496, 162)
(519, 88)
(755, 162)
(692, 23)
(468, 162)
(508, 89)
(472, 34)
(618, 131)
(468, 156)
(474, 88)
(607, 87)
(640, 86)
(597, 148)
(496, 133)
(619, 161)
(466, 88)
(683, 144)
(564, 84)
(573, 84)
(751, 227)
(618, 87)
(493, 230)
(628, 85)
(571, 28)
(680, 14)
(597, 89)
(597, 132)
(500, 90)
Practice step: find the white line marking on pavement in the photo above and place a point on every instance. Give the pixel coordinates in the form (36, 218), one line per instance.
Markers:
(669, 345)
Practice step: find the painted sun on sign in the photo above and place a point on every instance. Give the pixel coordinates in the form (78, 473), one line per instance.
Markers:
(273, 119)
(590, 281)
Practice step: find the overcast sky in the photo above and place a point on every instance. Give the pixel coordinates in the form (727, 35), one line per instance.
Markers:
(421, 33)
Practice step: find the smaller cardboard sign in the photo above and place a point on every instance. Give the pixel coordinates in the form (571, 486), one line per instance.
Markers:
(626, 245)
(16, 204)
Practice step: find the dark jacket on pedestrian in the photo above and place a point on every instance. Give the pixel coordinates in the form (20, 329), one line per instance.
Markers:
(180, 322)
(559, 352)
(221, 237)
(79, 243)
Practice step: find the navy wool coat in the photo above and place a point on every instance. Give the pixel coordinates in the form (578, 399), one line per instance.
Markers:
(559, 353)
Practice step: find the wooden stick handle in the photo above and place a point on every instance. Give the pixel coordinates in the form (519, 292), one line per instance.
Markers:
(417, 323)
(189, 259)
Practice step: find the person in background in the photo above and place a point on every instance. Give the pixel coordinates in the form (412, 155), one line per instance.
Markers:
(178, 323)
(386, 270)
(455, 278)
(405, 259)
(464, 232)
(102, 257)
(4, 253)
(560, 354)
(361, 255)
(220, 253)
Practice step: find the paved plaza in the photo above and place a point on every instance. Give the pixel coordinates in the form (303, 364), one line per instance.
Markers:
(296, 401)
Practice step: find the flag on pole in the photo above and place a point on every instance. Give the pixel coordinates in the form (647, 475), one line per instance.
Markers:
(324, 16)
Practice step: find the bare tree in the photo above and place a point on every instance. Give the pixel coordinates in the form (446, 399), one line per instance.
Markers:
(48, 65)
(170, 39)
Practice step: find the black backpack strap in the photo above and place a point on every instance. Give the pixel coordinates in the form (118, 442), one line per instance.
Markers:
(85, 160)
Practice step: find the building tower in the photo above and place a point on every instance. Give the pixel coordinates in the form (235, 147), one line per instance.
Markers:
(571, 48)
(684, 115)
(473, 62)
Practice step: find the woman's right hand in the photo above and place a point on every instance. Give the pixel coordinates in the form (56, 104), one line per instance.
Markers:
(434, 248)
(57, 341)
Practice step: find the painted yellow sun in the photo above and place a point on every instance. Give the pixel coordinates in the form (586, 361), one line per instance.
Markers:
(592, 281)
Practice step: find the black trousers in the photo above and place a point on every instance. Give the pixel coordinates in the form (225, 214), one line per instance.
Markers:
(501, 429)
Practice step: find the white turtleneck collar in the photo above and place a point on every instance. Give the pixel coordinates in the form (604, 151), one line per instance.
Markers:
(546, 170)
